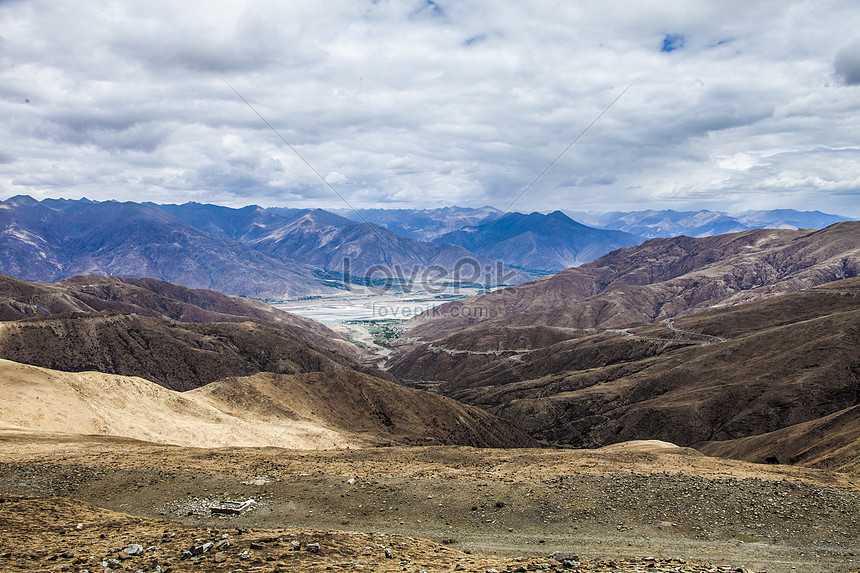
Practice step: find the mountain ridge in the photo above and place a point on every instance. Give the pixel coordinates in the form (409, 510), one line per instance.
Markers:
(660, 279)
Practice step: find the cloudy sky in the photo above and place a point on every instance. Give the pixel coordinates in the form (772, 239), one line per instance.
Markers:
(734, 105)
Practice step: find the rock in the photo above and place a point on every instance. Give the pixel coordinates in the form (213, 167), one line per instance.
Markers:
(223, 544)
(111, 564)
(256, 546)
(388, 553)
(186, 554)
(134, 549)
(245, 554)
(350, 481)
(79, 527)
(220, 557)
(207, 546)
(561, 556)
(313, 547)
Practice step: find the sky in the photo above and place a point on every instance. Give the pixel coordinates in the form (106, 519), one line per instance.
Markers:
(532, 106)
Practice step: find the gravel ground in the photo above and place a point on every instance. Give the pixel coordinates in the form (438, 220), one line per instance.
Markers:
(454, 508)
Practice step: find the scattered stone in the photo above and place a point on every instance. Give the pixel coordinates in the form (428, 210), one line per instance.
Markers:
(296, 545)
(388, 553)
(111, 564)
(134, 549)
(230, 507)
(223, 544)
(79, 527)
(313, 547)
(245, 554)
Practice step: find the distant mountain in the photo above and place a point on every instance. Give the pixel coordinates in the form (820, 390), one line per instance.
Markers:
(660, 279)
(325, 240)
(245, 224)
(55, 239)
(328, 241)
(669, 223)
(550, 242)
(423, 224)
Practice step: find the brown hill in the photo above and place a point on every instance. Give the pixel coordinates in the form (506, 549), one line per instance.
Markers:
(660, 279)
(785, 360)
(21, 299)
(176, 355)
(320, 410)
(830, 443)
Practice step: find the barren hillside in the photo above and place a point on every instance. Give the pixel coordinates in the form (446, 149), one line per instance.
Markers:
(313, 411)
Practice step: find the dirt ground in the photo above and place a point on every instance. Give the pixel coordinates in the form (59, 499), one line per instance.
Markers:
(641, 507)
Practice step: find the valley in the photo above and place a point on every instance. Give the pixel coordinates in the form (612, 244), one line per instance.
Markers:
(460, 425)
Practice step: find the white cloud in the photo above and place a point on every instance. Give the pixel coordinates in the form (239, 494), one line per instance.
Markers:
(405, 103)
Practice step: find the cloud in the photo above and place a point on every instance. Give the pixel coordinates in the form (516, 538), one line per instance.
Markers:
(421, 104)
(847, 63)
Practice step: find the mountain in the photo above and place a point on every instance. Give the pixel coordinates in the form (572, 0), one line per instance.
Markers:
(721, 374)
(550, 242)
(263, 410)
(56, 239)
(158, 299)
(325, 240)
(336, 244)
(423, 224)
(244, 225)
(180, 356)
(668, 223)
(659, 279)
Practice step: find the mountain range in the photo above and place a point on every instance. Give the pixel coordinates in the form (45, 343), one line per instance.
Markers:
(288, 253)
(56, 239)
(651, 224)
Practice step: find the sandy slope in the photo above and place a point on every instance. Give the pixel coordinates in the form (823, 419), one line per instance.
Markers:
(316, 410)
(96, 403)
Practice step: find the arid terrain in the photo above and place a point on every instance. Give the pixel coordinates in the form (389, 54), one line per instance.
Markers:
(149, 427)
(644, 506)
